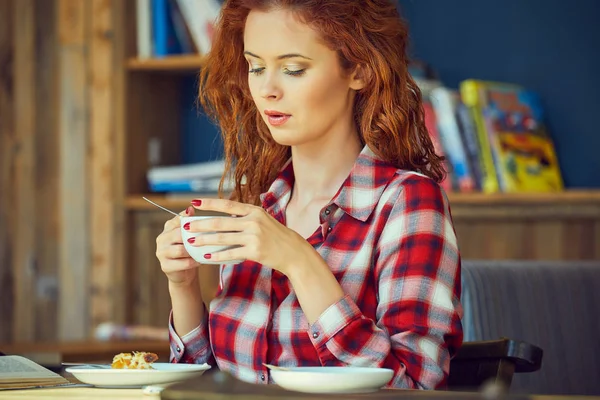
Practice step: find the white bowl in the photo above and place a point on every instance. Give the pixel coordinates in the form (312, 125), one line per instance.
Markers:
(332, 379)
(198, 252)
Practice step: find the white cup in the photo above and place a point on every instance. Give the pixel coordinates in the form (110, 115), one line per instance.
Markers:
(198, 252)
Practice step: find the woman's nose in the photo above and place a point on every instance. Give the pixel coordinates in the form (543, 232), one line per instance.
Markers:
(270, 89)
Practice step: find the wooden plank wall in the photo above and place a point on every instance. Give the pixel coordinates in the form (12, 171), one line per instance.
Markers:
(28, 179)
(102, 172)
(7, 138)
(24, 229)
(74, 189)
(47, 167)
(60, 169)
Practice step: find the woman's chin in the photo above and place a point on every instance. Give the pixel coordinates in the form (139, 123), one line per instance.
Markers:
(287, 139)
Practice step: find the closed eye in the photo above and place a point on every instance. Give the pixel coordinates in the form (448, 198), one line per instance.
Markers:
(298, 72)
(256, 71)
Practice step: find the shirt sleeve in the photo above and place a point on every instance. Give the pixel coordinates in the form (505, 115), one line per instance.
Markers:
(417, 270)
(193, 347)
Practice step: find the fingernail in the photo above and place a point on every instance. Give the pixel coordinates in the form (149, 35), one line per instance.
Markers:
(207, 256)
(187, 211)
(196, 203)
(191, 240)
(187, 226)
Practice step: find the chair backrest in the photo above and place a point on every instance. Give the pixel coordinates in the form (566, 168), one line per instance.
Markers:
(553, 305)
(492, 362)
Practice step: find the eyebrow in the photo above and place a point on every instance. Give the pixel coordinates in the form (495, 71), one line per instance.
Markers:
(281, 57)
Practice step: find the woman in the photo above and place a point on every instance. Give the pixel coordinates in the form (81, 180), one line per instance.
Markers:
(351, 256)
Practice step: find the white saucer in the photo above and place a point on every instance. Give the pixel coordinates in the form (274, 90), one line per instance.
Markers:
(332, 379)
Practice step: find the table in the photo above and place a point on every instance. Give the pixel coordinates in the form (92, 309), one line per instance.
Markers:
(77, 393)
(131, 394)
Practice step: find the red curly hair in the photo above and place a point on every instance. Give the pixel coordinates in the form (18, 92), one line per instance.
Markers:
(388, 111)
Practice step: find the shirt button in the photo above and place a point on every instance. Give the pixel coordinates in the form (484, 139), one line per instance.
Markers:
(178, 349)
(327, 211)
(315, 335)
(329, 229)
(262, 377)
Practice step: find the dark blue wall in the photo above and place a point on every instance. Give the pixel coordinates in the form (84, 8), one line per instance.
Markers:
(550, 46)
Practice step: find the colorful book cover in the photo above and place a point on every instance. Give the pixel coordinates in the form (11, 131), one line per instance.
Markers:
(523, 153)
(468, 133)
(445, 102)
(163, 30)
(472, 96)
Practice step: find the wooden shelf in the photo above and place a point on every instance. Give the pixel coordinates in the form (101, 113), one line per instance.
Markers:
(569, 197)
(183, 63)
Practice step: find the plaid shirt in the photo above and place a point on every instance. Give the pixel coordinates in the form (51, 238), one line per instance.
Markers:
(388, 238)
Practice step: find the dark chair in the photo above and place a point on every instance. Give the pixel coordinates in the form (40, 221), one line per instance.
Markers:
(493, 361)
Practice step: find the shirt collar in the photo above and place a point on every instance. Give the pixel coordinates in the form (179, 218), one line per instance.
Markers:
(358, 196)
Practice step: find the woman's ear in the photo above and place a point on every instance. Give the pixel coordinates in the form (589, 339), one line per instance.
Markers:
(359, 78)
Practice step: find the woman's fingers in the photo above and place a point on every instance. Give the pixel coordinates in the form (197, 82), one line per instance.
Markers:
(175, 222)
(221, 238)
(172, 252)
(218, 224)
(182, 264)
(239, 253)
(224, 206)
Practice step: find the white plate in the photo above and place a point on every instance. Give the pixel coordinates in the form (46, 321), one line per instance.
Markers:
(162, 373)
(332, 379)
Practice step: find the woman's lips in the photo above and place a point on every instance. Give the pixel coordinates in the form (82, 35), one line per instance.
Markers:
(278, 120)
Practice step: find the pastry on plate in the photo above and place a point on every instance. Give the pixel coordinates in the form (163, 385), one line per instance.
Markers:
(134, 360)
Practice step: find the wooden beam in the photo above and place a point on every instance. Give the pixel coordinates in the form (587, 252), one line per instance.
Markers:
(120, 215)
(47, 177)
(25, 257)
(6, 169)
(74, 197)
(102, 166)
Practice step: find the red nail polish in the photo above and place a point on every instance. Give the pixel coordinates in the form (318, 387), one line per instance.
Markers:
(187, 211)
(187, 226)
(196, 203)
(191, 240)
(207, 256)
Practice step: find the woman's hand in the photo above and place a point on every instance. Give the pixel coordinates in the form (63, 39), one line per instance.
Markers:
(261, 237)
(175, 262)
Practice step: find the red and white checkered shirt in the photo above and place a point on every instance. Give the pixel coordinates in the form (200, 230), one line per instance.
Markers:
(388, 237)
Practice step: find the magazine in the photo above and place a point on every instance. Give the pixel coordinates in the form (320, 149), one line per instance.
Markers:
(18, 372)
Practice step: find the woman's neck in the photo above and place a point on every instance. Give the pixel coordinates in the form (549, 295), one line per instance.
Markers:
(321, 168)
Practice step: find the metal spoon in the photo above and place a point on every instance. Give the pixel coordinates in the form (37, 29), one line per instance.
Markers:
(276, 367)
(161, 207)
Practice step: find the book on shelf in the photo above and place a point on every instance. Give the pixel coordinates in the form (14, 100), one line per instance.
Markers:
(18, 372)
(170, 27)
(493, 136)
(445, 102)
(427, 86)
(202, 177)
(200, 170)
(144, 29)
(518, 153)
(200, 17)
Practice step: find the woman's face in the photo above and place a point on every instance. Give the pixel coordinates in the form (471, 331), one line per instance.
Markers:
(296, 81)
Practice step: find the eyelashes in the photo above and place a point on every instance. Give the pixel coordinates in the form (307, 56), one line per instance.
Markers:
(259, 71)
